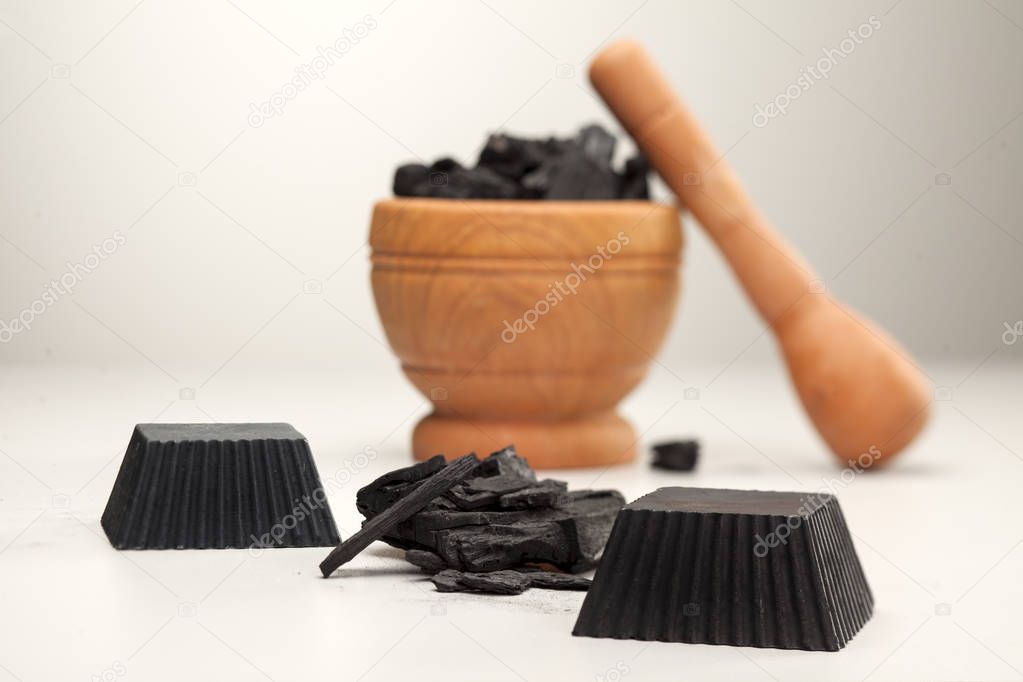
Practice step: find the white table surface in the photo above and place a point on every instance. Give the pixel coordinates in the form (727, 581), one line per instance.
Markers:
(939, 536)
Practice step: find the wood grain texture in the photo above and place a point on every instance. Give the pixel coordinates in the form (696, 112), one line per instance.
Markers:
(450, 280)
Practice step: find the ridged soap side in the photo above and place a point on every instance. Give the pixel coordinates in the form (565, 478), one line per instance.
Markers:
(212, 492)
(687, 576)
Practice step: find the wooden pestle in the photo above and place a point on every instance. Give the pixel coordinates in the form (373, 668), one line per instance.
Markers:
(861, 390)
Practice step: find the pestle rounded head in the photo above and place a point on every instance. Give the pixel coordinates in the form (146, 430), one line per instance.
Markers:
(861, 390)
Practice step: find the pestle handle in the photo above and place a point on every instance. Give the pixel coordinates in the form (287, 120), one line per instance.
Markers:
(861, 390)
(772, 273)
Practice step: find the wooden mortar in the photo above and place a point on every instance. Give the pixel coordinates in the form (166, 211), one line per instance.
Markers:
(526, 322)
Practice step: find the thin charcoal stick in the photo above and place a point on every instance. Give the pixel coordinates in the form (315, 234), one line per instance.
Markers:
(374, 529)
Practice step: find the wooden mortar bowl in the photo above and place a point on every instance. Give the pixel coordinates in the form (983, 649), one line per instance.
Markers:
(476, 298)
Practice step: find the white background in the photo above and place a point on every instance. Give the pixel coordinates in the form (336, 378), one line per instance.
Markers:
(848, 174)
(132, 118)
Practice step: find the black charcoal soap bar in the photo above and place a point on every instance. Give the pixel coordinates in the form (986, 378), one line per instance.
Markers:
(215, 486)
(737, 567)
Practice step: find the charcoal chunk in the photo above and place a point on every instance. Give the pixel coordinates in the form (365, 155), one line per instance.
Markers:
(513, 157)
(596, 144)
(506, 462)
(379, 525)
(496, 517)
(546, 493)
(426, 560)
(576, 176)
(481, 492)
(392, 486)
(634, 178)
(549, 580)
(570, 537)
(501, 473)
(450, 180)
(680, 455)
(448, 581)
(507, 581)
(509, 167)
(498, 582)
(408, 179)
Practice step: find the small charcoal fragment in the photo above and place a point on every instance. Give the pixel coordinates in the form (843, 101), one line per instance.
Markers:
(678, 455)
(410, 178)
(497, 582)
(501, 473)
(517, 168)
(506, 462)
(376, 527)
(448, 581)
(549, 580)
(507, 581)
(428, 561)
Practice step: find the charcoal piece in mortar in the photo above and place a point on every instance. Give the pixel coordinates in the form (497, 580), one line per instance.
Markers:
(596, 144)
(410, 178)
(513, 157)
(576, 176)
(508, 167)
(448, 179)
(634, 179)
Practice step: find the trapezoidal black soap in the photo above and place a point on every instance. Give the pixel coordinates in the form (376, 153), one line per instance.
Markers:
(737, 567)
(218, 486)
